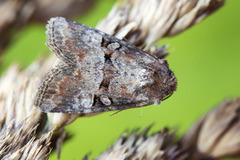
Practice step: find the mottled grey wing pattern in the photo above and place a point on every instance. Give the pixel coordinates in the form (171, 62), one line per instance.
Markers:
(97, 72)
(62, 90)
(69, 87)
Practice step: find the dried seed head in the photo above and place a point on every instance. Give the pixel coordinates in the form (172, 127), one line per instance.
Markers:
(160, 145)
(21, 141)
(144, 22)
(217, 133)
(25, 131)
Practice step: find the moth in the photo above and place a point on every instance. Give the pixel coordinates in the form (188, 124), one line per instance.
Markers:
(97, 72)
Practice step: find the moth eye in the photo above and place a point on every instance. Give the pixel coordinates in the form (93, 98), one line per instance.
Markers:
(105, 100)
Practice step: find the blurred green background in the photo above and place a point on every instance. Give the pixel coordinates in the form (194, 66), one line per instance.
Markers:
(205, 59)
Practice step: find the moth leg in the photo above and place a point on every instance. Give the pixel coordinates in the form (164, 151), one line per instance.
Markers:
(159, 52)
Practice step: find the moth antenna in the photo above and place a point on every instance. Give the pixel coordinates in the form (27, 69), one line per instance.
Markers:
(116, 112)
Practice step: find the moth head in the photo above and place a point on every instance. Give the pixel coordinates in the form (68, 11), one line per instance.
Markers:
(160, 83)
